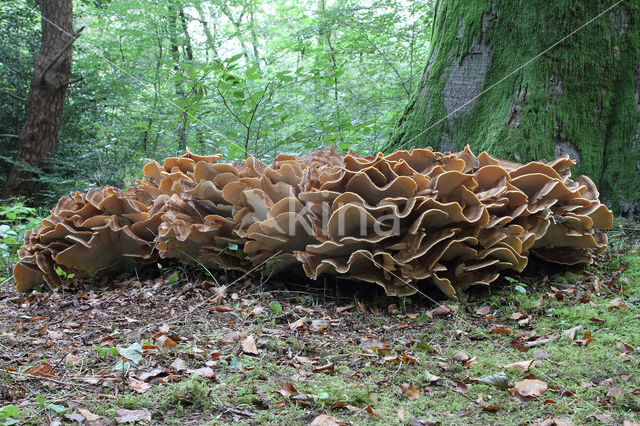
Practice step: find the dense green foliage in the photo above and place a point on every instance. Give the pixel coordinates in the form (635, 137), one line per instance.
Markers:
(224, 76)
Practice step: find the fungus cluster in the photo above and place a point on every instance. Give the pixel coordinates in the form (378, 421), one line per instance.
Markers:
(397, 220)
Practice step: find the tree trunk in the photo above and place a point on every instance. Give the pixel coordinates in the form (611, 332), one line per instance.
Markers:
(37, 141)
(502, 77)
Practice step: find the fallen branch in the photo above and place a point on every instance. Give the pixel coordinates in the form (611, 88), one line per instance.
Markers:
(5, 135)
(14, 96)
(60, 53)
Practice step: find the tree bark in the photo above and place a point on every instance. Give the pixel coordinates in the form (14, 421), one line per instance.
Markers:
(38, 138)
(581, 97)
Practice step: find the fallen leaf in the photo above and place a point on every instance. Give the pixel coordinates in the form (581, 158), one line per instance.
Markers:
(393, 309)
(325, 420)
(499, 380)
(412, 392)
(344, 308)
(319, 325)
(127, 416)
(614, 391)
(138, 385)
(460, 357)
(501, 329)
(297, 324)
(88, 415)
(75, 417)
(521, 366)
(624, 348)
(529, 388)
(328, 369)
(72, 359)
(485, 310)
(518, 316)
(441, 311)
(42, 370)
(460, 387)
(249, 346)
(204, 372)
(286, 389)
(178, 364)
(617, 303)
(373, 412)
(594, 319)
(489, 408)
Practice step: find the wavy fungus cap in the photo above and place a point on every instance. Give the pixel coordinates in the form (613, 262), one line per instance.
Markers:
(403, 220)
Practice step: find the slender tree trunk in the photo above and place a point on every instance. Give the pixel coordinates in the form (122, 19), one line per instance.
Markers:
(38, 138)
(175, 56)
(581, 97)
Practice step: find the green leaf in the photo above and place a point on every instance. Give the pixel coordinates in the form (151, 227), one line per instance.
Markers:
(57, 408)
(521, 289)
(132, 352)
(233, 59)
(173, 278)
(276, 307)
(9, 411)
(106, 351)
(233, 246)
(121, 365)
(40, 399)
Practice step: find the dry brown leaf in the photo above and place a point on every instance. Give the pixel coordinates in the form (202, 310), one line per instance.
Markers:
(319, 325)
(460, 387)
(624, 348)
(179, 364)
(204, 372)
(521, 366)
(138, 386)
(344, 308)
(461, 357)
(441, 311)
(328, 369)
(132, 416)
(529, 388)
(325, 420)
(412, 392)
(88, 415)
(484, 311)
(42, 370)
(249, 346)
(373, 412)
(286, 389)
(297, 324)
(617, 303)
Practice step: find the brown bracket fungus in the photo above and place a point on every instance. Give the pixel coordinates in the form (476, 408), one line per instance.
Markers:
(399, 220)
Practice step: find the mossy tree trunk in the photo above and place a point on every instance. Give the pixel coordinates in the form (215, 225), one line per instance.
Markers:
(581, 98)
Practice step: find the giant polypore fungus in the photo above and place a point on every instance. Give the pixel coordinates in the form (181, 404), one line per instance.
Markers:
(399, 220)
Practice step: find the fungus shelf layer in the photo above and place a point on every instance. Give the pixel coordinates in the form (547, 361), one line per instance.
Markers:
(402, 220)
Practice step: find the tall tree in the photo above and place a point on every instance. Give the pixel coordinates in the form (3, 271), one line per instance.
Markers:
(535, 79)
(37, 140)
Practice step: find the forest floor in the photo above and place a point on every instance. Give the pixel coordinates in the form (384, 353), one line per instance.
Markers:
(547, 346)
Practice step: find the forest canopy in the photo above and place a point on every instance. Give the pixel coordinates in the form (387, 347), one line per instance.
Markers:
(240, 78)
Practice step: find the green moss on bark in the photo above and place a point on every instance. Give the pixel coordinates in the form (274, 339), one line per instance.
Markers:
(580, 98)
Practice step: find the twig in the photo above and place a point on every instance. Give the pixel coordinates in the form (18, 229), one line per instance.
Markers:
(14, 96)
(4, 135)
(59, 54)
(31, 376)
(70, 82)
